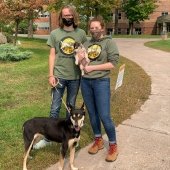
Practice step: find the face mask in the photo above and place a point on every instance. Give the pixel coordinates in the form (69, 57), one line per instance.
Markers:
(96, 34)
(68, 21)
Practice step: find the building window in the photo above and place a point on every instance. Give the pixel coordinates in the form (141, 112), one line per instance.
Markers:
(164, 13)
(127, 31)
(119, 16)
(119, 31)
(138, 31)
(168, 27)
(42, 25)
(109, 31)
(43, 28)
(43, 15)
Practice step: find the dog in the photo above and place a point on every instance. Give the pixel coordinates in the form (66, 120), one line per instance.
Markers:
(64, 131)
(79, 48)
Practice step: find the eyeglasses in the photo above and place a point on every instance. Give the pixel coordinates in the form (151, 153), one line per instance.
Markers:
(68, 16)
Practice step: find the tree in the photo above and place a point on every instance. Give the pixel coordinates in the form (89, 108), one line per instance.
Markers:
(24, 25)
(86, 8)
(33, 7)
(12, 11)
(18, 10)
(117, 7)
(138, 10)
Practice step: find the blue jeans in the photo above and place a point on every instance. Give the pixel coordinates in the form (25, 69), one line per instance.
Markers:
(96, 95)
(72, 87)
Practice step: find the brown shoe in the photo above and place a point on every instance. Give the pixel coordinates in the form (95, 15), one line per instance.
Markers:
(97, 145)
(112, 153)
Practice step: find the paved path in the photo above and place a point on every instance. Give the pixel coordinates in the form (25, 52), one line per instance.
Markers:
(143, 140)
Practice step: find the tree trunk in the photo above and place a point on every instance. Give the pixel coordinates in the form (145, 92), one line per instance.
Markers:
(130, 28)
(30, 29)
(16, 32)
(97, 10)
(116, 21)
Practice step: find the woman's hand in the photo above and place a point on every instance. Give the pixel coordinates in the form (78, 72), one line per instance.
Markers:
(52, 81)
(81, 55)
(88, 69)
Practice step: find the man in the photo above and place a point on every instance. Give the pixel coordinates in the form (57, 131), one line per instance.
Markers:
(63, 73)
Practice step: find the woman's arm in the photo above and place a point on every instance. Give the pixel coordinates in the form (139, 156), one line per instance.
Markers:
(105, 66)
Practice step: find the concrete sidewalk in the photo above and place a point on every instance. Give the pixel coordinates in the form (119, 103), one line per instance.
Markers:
(143, 140)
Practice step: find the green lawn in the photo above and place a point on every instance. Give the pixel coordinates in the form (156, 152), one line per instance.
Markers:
(25, 93)
(163, 45)
(136, 36)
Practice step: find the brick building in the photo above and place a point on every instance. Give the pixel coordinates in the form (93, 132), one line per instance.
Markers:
(46, 22)
(158, 22)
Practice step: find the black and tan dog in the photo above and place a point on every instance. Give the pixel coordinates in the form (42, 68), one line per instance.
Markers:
(64, 131)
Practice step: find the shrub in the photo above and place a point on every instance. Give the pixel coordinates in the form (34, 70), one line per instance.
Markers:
(9, 37)
(10, 52)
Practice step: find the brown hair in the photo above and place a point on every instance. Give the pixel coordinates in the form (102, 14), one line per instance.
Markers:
(74, 13)
(99, 19)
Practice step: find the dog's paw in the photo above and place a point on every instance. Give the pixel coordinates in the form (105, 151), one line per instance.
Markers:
(60, 168)
(76, 62)
(73, 167)
(24, 168)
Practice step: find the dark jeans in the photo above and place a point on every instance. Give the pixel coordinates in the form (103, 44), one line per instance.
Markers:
(72, 87)
(96, 95)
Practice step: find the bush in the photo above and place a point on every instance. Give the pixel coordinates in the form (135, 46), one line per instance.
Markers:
(9, 37)
(10, 52)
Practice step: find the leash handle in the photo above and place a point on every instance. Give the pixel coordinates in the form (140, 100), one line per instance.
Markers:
(58, 82)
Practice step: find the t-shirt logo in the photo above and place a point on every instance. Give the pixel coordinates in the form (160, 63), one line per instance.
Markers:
(67, 45)
(94, 51)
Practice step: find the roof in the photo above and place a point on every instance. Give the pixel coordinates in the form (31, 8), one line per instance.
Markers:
(164, 18)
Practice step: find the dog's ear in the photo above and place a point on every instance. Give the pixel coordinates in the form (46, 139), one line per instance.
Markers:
(82, 107)
(76, 45)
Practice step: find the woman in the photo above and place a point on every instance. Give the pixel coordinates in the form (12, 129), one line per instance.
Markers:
(95, 86)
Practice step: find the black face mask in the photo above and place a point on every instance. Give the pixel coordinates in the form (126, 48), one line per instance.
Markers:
(68, 21)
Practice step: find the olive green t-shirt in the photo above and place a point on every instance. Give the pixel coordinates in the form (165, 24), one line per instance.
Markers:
(100, 52)
(63, 42)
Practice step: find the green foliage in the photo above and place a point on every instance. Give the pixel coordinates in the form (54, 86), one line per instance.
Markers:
(138, 10)
(163, 45)
(23, 27)
(9, 52)
(7, 30)
(94, 8)
(6, 27)
(87, 8)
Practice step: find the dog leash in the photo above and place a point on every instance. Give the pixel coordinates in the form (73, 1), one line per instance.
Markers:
(61, 97)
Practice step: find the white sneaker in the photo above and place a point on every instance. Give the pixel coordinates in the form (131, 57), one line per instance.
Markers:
(41, 144)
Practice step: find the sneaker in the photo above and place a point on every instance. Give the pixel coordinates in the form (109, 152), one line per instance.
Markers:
(97, 145)
(41, 144)
(112, 153)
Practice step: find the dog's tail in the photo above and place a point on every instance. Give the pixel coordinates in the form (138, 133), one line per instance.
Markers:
(28, 151)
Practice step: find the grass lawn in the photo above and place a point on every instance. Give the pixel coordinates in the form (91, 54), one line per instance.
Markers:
(25, 93)
(136, 36)
(163, 45)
